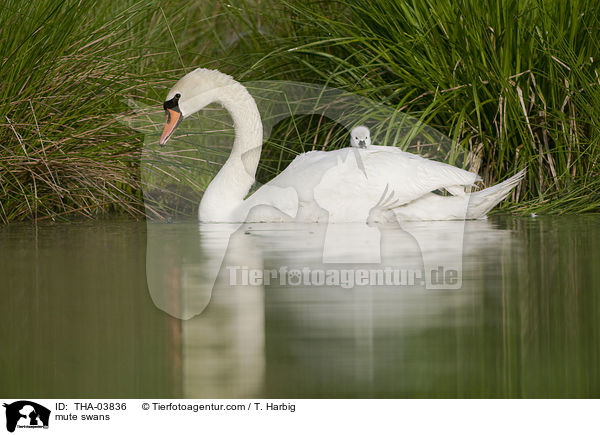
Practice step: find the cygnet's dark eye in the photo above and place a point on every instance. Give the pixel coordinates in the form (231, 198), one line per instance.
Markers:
(178, 95)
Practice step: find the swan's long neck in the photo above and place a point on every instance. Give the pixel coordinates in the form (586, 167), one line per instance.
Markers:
(225, 195)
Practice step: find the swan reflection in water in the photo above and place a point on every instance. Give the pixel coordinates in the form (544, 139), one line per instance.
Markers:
(195, 270)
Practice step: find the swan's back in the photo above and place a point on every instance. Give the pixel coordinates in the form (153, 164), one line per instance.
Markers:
(412, 175)
(348, 182)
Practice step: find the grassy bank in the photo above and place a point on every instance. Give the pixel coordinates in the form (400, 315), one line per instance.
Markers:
(514, 82)
(68, 68)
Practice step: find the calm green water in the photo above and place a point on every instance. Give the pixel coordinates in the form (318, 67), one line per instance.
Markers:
(80, 317)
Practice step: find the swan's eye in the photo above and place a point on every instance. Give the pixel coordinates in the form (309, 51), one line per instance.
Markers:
(173, 103)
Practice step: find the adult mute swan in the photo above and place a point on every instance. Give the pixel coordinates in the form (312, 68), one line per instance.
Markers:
(335, 186)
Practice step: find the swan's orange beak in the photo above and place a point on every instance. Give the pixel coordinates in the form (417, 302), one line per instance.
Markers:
(173, 120)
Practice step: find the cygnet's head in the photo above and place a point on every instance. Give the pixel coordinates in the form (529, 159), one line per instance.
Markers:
(360, 137)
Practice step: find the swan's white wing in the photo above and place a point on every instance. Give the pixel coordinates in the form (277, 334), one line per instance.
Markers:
(349, 182)
(297, 181)
(412, 176)
(350, 188)
(279, 199)
(306, 170)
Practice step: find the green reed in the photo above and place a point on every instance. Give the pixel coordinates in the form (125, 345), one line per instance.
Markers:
(513, 82)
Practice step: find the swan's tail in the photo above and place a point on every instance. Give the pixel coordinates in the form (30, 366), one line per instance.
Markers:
(481, 202)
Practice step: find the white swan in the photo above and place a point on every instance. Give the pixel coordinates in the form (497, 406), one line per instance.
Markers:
(347, 182)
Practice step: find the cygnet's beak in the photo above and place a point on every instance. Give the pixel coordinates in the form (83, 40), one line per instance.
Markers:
(173, 119)
(362, 144)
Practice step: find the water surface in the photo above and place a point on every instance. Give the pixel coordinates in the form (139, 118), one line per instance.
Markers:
(84, 311)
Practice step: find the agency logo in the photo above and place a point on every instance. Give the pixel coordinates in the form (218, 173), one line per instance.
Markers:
(25, 414)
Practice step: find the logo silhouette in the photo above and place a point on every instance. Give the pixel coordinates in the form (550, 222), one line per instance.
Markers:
(26, 413)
